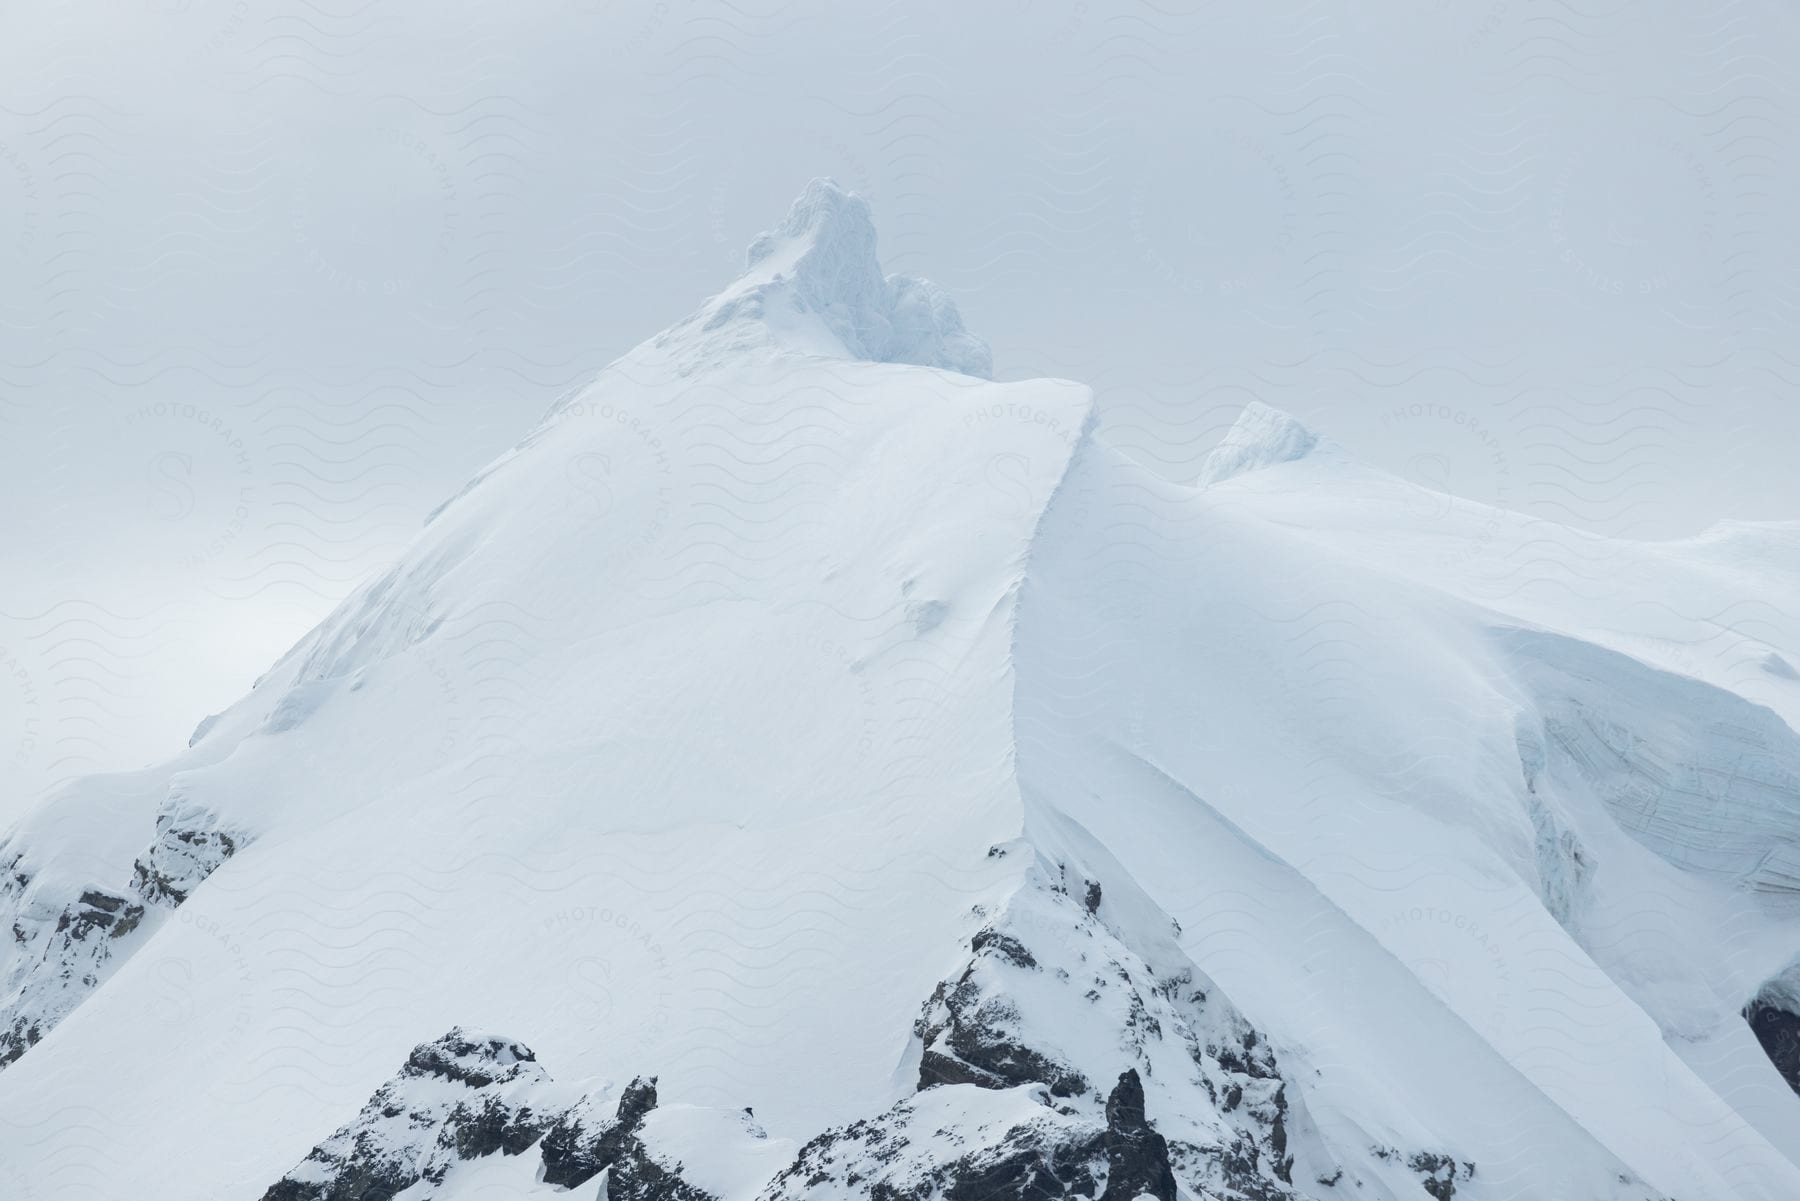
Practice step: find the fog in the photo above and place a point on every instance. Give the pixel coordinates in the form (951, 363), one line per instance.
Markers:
(276, 278)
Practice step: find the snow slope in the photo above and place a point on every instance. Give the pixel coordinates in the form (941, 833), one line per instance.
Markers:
(1506, 823)
(804, 721)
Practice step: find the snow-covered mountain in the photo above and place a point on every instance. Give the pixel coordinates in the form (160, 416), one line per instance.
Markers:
(804, 768)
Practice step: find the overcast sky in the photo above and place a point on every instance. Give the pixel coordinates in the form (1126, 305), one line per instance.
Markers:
(275, 278)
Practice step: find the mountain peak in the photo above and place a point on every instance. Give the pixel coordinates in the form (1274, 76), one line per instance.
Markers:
(1261, 437)
(834, 234)
(814, 283)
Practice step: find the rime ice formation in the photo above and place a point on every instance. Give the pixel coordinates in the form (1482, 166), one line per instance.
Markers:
(814, 280)
(1262, 436)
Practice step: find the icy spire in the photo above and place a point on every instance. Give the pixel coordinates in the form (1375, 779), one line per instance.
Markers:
(825, 248)
(818, 268)
(1261, 437)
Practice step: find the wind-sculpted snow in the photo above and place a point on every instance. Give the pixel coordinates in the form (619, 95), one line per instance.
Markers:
(675, 741)
(858, 778)
(1328, 794)
(1261, 437)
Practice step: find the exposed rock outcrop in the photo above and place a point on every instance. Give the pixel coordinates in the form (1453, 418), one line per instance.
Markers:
(1137, 1157)
(584, 1141)
(1777, 1028)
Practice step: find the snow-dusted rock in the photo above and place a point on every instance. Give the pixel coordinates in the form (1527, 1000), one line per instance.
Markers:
(965, 1143)
(1013, 1052)
(68, 933)
(458, 1098)
(1077, 980)
(60, 949)
(189, 846)
(1064, 990)
(465, 1097)
(1438, 1173)
(589, 1138)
